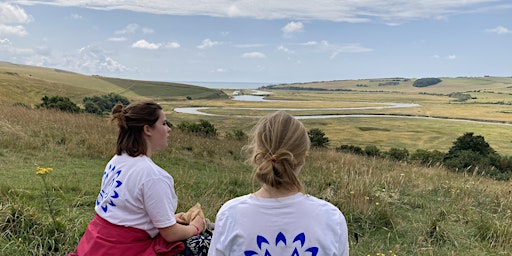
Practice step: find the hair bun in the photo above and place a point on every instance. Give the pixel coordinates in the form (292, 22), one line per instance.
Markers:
(118, 114)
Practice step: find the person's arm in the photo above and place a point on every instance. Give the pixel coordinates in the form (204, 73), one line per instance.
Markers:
(178, 232)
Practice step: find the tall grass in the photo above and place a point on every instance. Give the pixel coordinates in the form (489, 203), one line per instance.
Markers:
(391, 207)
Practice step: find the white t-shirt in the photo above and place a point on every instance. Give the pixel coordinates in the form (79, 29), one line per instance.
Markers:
(135, 192)
(294, 225)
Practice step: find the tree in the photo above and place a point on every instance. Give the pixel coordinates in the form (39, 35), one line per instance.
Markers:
(424, 82)
(470, 153)
(473, 143)
(317, 138)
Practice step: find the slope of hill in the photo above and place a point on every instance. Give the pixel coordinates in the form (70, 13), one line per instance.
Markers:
(405, 85)
(28, 84)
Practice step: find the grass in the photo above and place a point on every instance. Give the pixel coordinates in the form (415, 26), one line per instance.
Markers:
(28, 84)
(391, 207)
(398, 207)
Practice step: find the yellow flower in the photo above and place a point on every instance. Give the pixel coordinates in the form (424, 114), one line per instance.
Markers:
(376, 203)
(43, 171)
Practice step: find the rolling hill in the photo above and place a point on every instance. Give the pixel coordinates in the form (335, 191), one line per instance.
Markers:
(28, 84)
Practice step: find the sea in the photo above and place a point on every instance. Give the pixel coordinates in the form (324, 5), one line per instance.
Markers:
(226, 85)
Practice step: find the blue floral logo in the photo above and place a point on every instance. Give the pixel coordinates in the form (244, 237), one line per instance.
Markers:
(109, 192)
(296, 246)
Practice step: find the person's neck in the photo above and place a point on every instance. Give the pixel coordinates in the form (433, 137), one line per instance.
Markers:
(270, 192)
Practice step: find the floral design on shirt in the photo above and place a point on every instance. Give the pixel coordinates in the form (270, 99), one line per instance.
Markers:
(109, 193)
(265, 248)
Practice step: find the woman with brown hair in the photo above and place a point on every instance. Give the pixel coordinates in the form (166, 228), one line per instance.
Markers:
(136, 205)
(279, 218)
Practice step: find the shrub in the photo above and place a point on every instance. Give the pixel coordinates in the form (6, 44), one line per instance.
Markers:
(372, 150)
(350, 149)
(59, 103)
(101, 105)
(428, 158)
(237, 135)
(203, 128)
(317, 138)
(398, 154)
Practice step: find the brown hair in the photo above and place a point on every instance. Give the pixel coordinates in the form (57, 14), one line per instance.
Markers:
(278, 148)
(131, 122)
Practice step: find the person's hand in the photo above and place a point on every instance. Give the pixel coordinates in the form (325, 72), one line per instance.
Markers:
(179, 218)
(199, 222)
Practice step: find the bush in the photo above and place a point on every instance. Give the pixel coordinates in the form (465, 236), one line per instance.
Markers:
(428, 158)
(350, 149)
(317, 138)
(398, 154)
(237, 135)
(372, 150)
(59, 103)
(203, 128)
(101, 105)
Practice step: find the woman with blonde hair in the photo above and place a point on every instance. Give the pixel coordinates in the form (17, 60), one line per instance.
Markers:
(135, 208)
(279, 218)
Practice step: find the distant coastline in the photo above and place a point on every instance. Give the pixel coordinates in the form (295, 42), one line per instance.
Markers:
(225, 85)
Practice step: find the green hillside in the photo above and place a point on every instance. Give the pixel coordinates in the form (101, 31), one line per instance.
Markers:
(28, 84)
(405, 85)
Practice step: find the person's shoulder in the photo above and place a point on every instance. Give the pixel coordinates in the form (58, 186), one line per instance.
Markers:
(321, 203)
(234, 202)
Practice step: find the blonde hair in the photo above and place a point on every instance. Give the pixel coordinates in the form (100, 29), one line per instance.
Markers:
(278, 148)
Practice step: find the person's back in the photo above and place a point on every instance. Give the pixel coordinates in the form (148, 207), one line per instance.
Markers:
(289, 225)
(279, 218)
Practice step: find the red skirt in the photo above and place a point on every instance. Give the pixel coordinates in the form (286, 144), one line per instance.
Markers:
(104, 238)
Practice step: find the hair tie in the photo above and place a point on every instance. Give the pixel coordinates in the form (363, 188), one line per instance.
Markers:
(272, 158)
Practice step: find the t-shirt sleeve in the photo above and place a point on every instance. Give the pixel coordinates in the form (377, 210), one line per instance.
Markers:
(217, 244)
(158, 195)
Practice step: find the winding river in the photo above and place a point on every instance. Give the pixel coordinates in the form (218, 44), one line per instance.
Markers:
(378, 105)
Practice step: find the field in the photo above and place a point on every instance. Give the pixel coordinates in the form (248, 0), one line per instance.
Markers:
(392, 208)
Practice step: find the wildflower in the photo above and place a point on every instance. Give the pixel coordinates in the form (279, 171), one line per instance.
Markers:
(367, 197)
(43, 171)
(376, 203)
(352, 192)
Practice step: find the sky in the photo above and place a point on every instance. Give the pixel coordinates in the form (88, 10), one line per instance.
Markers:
(260, 41)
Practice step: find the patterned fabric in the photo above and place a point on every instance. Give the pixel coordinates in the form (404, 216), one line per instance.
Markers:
(197, 245)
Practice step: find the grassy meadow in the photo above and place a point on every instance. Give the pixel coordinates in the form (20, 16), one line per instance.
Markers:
(392, 208)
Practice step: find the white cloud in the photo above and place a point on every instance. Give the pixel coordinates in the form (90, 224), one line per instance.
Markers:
(499, 30)
(148, 30)
(207, 43)
(93, 60)
(310, 43)
(117, 39)
(389, 11)
(451, 57)
(5, 41)
(282, 48)
(129, 29)
(10, 14)
(12, 30)
(249, 45)
(345, 48)
(172, 45)
(143, 44)
(253, 55)
(293, 27)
